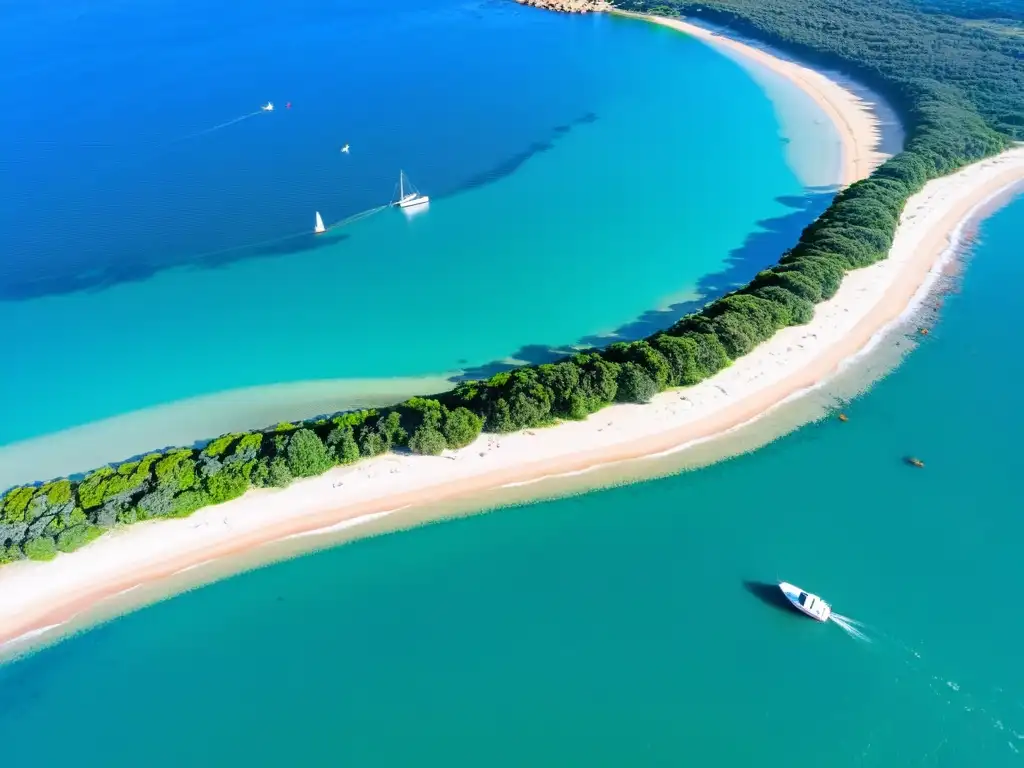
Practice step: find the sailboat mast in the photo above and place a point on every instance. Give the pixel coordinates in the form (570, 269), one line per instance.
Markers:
(401, 185)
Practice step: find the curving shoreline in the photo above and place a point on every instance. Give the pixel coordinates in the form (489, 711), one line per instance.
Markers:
(852, 117)
(795, 359)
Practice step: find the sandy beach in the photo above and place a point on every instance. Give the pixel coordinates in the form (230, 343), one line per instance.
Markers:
(852, 116)
(37, 597)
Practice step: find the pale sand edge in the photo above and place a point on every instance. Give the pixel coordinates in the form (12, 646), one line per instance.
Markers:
(152, 551)
(852, 116)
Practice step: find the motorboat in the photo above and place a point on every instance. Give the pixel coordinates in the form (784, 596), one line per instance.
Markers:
(407, 199)
(345, 149)
(268, 107)
(805, 602)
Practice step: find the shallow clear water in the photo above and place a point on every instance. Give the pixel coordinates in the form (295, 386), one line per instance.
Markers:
(623, 627)
(583, 171)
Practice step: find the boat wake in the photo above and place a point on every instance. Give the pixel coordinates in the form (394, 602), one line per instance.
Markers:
(852, 627)
(277, 241)
(205, 131)
(988, 703)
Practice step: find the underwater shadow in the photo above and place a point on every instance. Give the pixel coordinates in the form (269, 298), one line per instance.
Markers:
(762, 248)
(132, 270)
(769, 594)
(513, 162)
(297, 244)
(96, 279)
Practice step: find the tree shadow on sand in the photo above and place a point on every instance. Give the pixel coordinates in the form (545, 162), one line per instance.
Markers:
(760, 250)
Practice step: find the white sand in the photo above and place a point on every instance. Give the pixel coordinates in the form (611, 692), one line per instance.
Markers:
(851, 115)
(37, 595)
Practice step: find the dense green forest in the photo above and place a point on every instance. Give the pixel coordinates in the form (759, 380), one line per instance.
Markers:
(959, 89)
(918, 60)
(1009, 10)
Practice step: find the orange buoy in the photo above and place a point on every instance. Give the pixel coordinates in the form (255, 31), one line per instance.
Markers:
(923, 331)
(843, 417)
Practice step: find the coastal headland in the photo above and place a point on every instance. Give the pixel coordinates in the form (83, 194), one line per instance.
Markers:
(38, 595)
(569, 6)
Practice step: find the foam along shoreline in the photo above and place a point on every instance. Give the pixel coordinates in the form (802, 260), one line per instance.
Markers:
(36, 595)
(854, 118)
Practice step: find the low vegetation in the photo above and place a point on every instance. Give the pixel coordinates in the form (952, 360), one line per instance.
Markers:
(960, 93)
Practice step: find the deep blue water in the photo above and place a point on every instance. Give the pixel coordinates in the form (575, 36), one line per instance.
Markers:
(564, 154)
(626, 626)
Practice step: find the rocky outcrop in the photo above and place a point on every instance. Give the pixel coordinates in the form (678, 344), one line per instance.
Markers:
(569, 6)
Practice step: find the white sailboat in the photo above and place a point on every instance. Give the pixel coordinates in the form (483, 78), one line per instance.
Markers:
(407, 199)
(319, 229)
(268, 107)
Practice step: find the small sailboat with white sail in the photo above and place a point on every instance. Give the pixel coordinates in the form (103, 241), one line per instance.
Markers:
(408, 195)
(319, 228)
(268, 107)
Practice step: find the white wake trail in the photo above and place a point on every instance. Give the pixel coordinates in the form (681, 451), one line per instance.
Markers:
(221, 125)
(850, 626)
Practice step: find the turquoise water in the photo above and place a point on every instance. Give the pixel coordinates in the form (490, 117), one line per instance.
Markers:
(622, 627)
(583, 171)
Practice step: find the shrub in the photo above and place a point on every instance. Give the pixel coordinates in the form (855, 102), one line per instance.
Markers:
(74, 538)
(799, 310)
(427, 440)
(176, 471)
(342, 441)
(229, 483)
(219, 446)
(279, 476)
(563, 381)
(681, 355)
(16, 503)
(461, 427)
(43, 548)
(307, 455)
(644, 355)
(635, 384)
(425, 410)
(11, 554)
(371, 443)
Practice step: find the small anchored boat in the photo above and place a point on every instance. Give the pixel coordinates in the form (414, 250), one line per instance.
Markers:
(805, 602)
(268, 107)
(407, 199)
(319, 228)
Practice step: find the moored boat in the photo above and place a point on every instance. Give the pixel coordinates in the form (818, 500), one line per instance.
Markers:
(805, 602)
(407, 199)
(319, 228)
